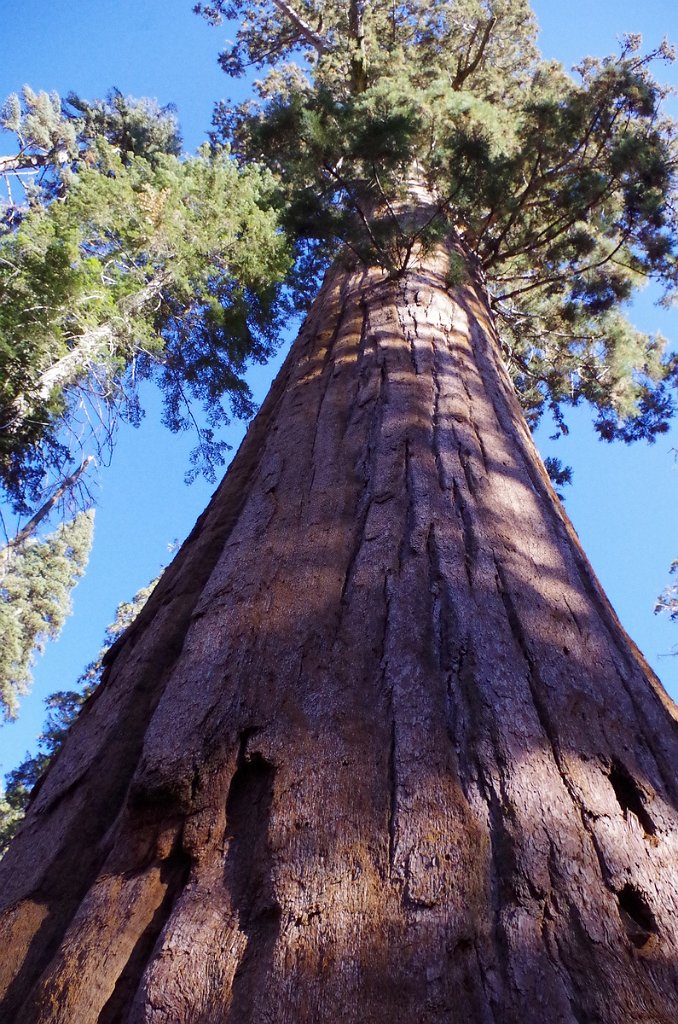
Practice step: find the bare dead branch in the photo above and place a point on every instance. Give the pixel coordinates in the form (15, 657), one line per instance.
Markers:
(312, 37)
(22, 535)
(465, 69)
(26, 161)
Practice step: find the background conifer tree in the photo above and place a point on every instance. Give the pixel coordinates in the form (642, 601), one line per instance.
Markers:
(36, 578)
(148, 265)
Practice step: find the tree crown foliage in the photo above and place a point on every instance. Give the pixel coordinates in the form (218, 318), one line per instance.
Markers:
(123, 262)
(561, 191)
(55, 138)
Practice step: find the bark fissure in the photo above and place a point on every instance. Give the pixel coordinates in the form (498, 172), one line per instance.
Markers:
(174, 875)
(379, 401)
(363, 371)
(534, 681)
(249, 874)
(406, 544)
(636, 915)
(503, 871)
(466, 521)
(476, 431)
(465, 730)
(325, 372)
(393, 802)
(631, 798)
(436, 427)
(550, 733)
(451, 650)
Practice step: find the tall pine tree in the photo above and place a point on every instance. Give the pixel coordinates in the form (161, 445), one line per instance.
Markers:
(377, 748)
(124, 261)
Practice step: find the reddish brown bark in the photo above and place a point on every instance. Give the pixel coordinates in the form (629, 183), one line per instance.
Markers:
(378, 749)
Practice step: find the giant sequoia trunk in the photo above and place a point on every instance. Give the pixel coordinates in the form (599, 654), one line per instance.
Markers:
(377, 750)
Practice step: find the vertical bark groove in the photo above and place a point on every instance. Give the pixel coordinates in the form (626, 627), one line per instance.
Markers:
(248, 871)
(174, 875)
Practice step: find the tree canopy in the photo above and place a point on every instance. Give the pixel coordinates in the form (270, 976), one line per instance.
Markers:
(560, 190)
(124, 261)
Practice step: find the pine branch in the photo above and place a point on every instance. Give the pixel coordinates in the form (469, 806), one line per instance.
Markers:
(552, 231)
(92, 341)
(32, 525)
(28, 161)
(567, 274)
(466, 69)
(343, 184)
(312, 37)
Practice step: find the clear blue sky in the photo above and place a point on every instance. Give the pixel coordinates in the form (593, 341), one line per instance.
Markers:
(623, 501)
